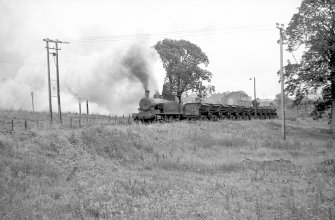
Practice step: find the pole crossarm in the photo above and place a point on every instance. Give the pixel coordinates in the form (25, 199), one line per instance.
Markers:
(55, 41)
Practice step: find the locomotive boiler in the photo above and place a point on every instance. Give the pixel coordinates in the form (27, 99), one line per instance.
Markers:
(158, 108)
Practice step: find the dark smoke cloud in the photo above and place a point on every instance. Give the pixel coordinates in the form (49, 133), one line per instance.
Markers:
(115, 79)
(138, 64)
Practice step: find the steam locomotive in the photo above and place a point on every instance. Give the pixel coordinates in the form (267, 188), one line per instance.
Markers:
(167, 108)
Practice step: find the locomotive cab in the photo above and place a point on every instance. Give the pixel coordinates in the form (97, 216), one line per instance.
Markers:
(157, 108)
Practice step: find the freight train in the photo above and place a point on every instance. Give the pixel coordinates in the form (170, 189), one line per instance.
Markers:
(167, 108)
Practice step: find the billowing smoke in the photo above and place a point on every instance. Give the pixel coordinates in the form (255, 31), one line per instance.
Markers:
(112, 76)
(115, 79)
(137, 61)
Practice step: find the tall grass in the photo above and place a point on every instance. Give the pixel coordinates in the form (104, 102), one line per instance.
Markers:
(198, 170)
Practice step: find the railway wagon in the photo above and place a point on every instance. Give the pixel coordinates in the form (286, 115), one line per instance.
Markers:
(197, 110)
(160, 109)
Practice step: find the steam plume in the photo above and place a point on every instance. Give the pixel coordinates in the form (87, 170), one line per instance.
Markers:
(116, 79)
(138, 64)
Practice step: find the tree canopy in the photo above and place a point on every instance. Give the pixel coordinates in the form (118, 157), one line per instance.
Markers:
(313, 28)
(183, 62)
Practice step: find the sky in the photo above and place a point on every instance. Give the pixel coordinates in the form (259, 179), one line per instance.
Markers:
(108, 40)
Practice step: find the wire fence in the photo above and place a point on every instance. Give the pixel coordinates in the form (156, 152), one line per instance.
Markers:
(69, 122)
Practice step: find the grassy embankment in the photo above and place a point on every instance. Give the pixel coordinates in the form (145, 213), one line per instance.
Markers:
(203, 170)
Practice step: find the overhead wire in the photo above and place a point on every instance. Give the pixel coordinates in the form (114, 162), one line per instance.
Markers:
(143, 37)
(18, 63)
(175, 33)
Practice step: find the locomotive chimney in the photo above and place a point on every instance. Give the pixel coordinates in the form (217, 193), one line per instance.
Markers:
(147, 92)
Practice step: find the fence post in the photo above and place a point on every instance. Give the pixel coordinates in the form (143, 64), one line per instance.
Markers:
(25, 125)
(12, 124)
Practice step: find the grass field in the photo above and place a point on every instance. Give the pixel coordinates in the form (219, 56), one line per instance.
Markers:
(201, 170)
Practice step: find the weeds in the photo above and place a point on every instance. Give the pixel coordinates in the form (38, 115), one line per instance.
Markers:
(214, 170)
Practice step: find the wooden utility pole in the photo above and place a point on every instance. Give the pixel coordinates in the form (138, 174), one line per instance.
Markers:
(56, 42)
(32, 100)
(255, 105)
(87, 111)
(255, 98)
(58, 89)
(281, 29)
(49, 82)
(79, 107)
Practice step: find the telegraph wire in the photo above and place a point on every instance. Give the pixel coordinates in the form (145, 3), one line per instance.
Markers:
(148, 36)
(177, 33)
(186, 31)
(20, 63)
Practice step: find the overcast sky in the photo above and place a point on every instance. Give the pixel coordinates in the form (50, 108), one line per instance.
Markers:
(238, 36)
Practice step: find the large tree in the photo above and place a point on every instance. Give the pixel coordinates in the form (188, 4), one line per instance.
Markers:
(184, 64)
(313, 28)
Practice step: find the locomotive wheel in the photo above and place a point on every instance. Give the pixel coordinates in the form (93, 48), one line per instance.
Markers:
(214, 118)
(203, 117)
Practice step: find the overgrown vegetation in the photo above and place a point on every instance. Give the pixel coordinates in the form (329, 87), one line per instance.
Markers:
(312, 30)
(215, 170)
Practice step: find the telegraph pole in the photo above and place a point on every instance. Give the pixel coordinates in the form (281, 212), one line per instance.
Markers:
(56, 42)
(58, 89)
(87, 112)
(255, 96)
(281, 29)
(49, 82)
(79, 107)
(32, 100)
